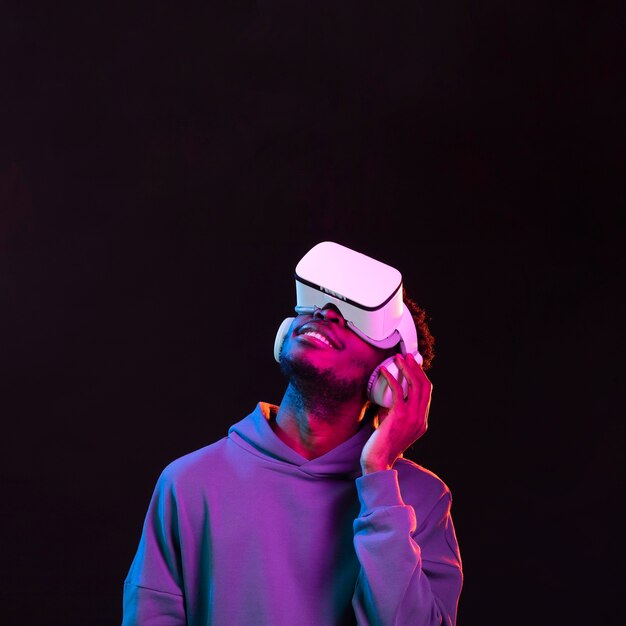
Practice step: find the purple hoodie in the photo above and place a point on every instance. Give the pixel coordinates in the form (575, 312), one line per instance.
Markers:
(248, 532)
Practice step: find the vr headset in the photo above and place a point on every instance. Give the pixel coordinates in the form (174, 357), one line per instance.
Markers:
(368, 294)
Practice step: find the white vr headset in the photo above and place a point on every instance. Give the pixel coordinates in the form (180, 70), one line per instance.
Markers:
(368, 294)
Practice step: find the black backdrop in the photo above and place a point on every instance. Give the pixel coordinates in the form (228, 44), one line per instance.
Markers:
(164, 165)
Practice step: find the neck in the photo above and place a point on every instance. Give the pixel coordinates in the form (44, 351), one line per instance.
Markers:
(313, 426)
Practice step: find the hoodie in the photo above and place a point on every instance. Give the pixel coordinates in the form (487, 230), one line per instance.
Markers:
(246, 531)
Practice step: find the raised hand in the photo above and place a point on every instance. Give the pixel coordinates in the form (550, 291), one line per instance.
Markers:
(404, 422)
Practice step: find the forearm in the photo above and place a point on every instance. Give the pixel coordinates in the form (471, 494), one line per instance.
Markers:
(394, 585)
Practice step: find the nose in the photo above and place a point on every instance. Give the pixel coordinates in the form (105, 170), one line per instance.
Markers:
(329, 313)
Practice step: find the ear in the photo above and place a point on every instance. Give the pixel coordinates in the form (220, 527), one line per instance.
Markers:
(281, 335)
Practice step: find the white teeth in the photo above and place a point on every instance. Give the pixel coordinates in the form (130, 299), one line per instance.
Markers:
(318, 336)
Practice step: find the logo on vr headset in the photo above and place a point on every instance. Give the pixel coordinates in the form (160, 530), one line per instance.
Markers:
(330, 292)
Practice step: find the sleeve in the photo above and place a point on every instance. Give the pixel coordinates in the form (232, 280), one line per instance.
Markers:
(153, 590)
(411, 569)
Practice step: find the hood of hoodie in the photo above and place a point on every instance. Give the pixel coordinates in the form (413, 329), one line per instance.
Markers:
(254, 434)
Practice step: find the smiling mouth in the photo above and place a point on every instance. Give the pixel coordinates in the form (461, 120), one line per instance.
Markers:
(318, 336)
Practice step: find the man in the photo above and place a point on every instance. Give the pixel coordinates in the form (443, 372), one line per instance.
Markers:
(307, 513)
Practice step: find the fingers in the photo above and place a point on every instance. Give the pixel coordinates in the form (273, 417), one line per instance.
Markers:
(411, 370)
(418, 386)
(407, 370)
(397, 393)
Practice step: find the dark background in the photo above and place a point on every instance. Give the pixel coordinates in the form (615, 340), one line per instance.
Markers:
(163, 166)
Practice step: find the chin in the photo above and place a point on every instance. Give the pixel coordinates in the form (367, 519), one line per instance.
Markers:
(312, 379)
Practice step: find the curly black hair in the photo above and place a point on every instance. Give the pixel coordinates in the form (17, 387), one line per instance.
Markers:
(425, 339)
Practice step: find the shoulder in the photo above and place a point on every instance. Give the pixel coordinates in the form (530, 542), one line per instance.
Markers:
(421, 487)
(412, 473)
(196, 465)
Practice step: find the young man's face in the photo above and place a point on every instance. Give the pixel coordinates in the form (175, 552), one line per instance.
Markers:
(320, 350)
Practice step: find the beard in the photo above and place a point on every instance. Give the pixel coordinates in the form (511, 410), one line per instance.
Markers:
(324, 384)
